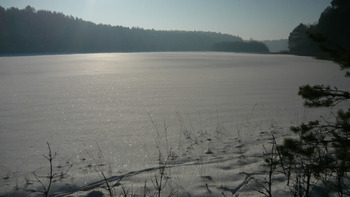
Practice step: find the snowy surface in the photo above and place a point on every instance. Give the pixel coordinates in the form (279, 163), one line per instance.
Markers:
(209, 114)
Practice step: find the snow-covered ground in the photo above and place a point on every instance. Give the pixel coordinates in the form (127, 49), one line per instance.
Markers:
(206, 163)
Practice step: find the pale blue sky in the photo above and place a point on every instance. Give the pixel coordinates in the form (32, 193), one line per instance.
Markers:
(256, 19)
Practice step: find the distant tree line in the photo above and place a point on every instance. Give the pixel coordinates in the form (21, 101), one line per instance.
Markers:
(241, 46)
(280, 45)
(320, 39)
(30, 31)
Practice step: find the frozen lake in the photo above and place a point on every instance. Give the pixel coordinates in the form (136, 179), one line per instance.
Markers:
(84, 102)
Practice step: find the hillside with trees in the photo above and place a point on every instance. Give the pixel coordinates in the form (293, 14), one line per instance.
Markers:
(326, 39)
(31, 31)
(300, 42)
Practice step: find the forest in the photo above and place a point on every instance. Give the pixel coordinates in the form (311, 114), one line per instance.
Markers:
(319, 155)
(30, 31)
(325, 39)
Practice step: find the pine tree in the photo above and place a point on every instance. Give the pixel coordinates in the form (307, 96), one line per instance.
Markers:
(321, 150)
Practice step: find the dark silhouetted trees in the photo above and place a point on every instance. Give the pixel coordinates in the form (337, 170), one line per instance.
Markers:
(31, 31)
(300, 43)
(332, 32)
(328, 38)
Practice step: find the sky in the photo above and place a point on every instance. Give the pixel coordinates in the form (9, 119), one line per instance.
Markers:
(249, 19)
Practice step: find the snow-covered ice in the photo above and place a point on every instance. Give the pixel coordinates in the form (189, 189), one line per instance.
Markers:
(209, 114)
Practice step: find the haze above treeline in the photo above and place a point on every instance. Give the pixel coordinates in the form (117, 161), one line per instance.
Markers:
(30, 31)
